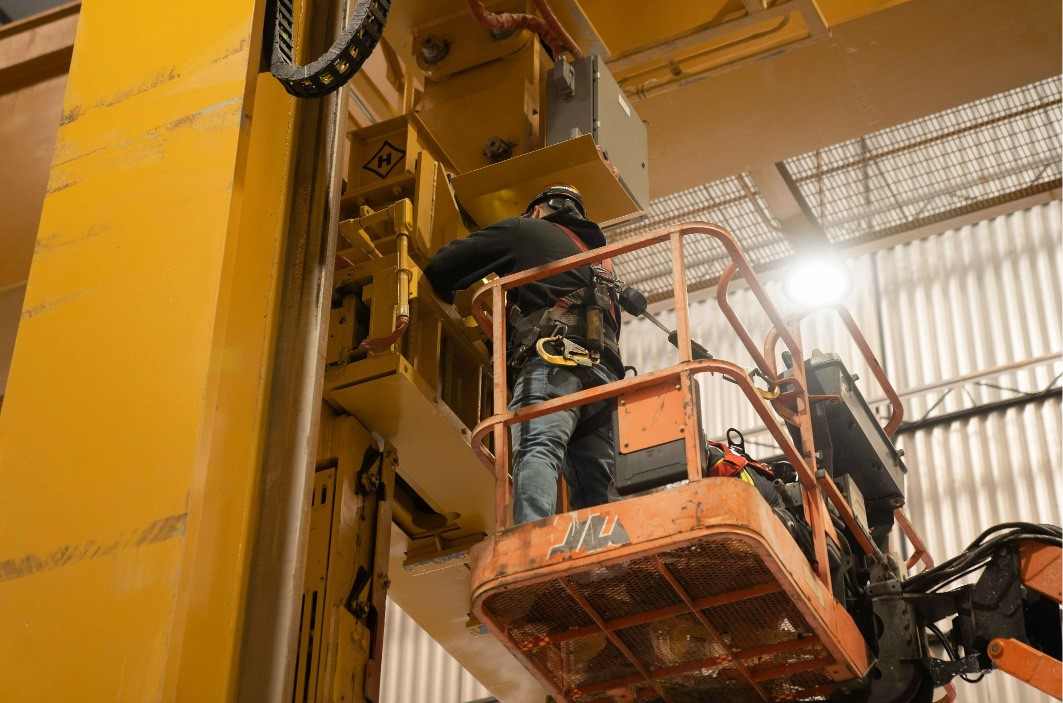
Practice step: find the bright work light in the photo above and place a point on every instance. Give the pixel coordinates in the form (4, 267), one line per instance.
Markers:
(818, 281)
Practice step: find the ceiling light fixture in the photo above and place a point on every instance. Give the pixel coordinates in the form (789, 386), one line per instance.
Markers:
(818, 281)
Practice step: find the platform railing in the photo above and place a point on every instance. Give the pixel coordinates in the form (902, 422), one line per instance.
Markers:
(892, 397)
(793, 388)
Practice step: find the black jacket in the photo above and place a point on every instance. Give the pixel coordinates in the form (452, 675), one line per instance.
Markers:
(512, 245)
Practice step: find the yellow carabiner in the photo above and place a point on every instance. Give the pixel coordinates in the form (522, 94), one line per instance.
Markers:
(556, 359)
(772, 394)
(572, 354)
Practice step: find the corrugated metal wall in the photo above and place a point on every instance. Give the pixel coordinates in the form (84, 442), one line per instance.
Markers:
(936, 309)
(967, 475)
(418, 670)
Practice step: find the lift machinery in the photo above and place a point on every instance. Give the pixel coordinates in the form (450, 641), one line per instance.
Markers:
(699, 593)
(693, 589)
(379, 408)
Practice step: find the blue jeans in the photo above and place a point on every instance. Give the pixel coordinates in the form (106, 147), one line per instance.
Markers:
(544, 447)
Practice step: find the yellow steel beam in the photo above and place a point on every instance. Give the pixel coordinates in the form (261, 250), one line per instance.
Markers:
(131, 433)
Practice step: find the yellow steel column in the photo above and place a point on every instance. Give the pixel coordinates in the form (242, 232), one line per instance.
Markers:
(131, 435)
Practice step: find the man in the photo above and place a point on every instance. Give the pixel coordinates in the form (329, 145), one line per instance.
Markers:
(577, 443)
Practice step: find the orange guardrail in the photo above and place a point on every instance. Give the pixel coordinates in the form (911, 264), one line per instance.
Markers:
(794, 393)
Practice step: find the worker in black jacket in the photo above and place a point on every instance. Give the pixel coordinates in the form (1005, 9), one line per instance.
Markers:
(577, 443)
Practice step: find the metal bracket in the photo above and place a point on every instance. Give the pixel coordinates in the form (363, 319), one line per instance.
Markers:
(942, 671)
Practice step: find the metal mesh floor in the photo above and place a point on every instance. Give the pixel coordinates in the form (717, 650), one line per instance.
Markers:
(706, 621)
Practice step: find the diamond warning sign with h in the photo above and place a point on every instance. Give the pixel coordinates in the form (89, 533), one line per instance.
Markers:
(385, 160)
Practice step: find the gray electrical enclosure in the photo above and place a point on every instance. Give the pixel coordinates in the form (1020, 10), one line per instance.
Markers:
(582, 98)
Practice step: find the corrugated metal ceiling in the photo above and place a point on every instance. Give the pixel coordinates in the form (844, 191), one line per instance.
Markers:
(971, 157)
(732, 202)
(960, 161)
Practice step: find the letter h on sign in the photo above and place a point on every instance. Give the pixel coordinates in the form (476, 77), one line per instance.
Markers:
(385, 160)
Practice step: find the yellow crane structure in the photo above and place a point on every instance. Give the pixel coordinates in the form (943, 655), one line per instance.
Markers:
(237, 417)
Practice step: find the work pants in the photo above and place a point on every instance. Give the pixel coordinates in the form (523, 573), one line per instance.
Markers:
(543, 447)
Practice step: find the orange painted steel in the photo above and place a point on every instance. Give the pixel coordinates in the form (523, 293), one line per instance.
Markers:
(614, 637)
(1022, 661)
(1042, 569)
(896, 405)
(735, 599)
(526, 568)
(736, 662)
(803, 461)
(920, 554)
(747, 341)
(650, 416)
(659, 614)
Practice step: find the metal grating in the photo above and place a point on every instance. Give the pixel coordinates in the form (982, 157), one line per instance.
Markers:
(642, 623)
(969, 158)
(952, 163)
(732, 202)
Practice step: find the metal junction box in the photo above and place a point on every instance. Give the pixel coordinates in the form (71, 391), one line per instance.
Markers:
(650, 438)
(583, 98)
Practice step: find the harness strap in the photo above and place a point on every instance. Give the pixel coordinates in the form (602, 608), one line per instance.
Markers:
(607, 264)
(726, 462)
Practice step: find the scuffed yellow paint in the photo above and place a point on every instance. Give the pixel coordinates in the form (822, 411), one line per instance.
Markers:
(139, 381)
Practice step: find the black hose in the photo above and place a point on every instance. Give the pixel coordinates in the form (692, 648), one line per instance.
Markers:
(979, 552)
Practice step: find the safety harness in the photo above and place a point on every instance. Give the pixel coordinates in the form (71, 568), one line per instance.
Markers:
(730, 459)
(580, 314)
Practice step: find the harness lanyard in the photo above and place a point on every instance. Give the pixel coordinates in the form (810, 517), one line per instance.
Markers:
(607, 264)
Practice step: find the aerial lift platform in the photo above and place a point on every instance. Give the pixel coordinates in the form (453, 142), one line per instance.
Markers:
(695, 590)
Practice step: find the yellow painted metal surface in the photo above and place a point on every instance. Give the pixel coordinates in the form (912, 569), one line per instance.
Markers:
(130, 433)
(453, 626)
(130, 438)
(434, 457)
(670, 69)
(469, 44)
(503, 190)
(625, 25)
(346, 566)
(423, 393)
(456, 109)
(839, 11)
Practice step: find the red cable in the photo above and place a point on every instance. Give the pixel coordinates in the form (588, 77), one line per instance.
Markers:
(549, 29)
